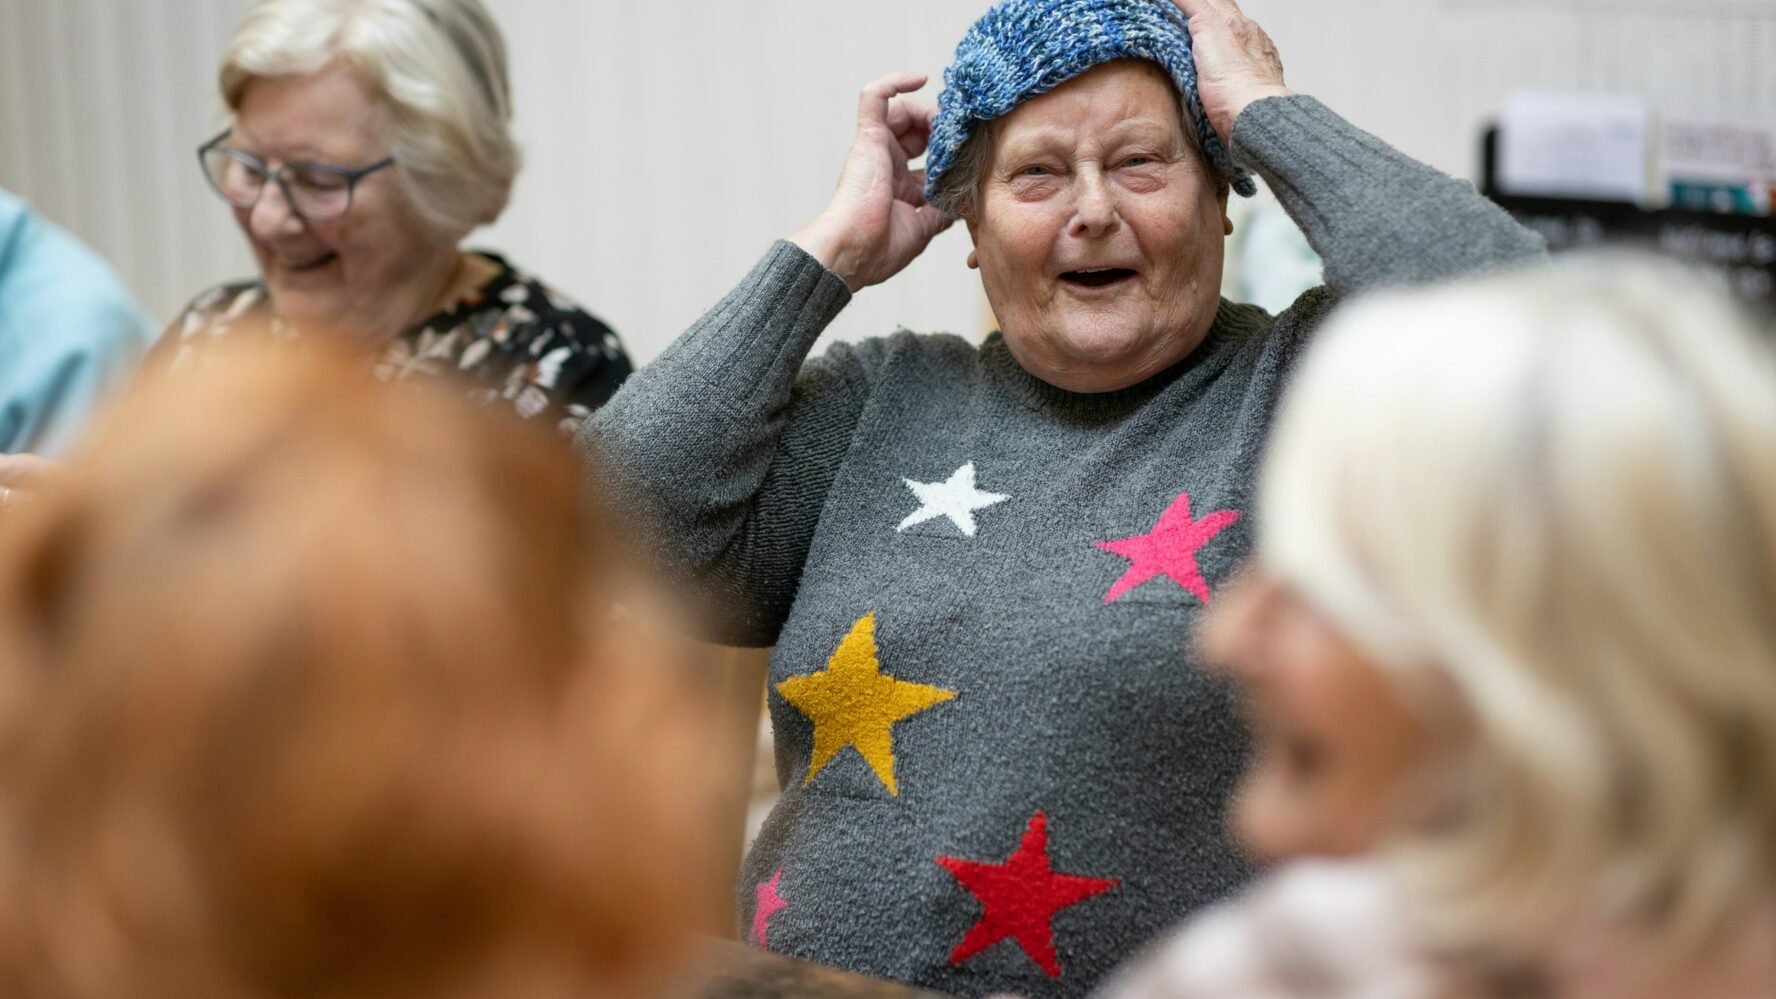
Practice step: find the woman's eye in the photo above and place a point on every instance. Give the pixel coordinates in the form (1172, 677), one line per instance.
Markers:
(1135, 161)
(318, 180)
(1034, 171)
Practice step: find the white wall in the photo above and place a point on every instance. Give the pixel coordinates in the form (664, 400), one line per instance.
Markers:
(698, 132)
(669, 141)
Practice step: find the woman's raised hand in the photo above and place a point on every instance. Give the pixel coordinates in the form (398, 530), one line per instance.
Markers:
(877, 220)
(1236, 62)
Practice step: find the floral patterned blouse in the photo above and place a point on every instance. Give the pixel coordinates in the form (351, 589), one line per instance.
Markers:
(513, 340)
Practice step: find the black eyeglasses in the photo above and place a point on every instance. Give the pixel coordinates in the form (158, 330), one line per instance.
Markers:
(319, 192)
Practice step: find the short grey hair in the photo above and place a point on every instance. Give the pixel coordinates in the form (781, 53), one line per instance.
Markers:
(1546, 500)
(439, 66)
(958, 190)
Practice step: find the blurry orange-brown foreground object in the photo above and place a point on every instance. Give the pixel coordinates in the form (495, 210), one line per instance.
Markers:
(312, 686)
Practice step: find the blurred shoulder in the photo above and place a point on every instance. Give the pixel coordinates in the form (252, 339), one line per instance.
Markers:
(220, 306)
(540, 319)
(536, 346)
(208, 319)
(1323, 929)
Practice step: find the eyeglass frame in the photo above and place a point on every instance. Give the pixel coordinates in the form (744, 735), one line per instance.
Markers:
(350, 176)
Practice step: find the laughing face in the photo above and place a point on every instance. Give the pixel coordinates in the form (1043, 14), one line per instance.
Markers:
(1099, 233)
(370, 273)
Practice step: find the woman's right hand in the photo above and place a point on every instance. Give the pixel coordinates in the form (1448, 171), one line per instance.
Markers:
(877, 220)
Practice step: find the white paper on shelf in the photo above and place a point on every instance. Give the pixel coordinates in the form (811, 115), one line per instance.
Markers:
(1740, 153)
(1575, 145)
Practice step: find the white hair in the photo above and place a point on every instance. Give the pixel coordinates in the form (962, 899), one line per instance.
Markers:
(1553, 494)
(439, 66)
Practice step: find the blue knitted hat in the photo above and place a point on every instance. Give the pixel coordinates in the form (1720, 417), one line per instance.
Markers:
(1022, 48)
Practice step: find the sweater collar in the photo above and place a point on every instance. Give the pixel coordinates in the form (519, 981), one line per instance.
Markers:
(1233, 322)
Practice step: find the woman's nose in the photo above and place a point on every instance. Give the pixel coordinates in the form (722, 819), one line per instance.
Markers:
(1094, 207)
(1235, 622)
(272, 215)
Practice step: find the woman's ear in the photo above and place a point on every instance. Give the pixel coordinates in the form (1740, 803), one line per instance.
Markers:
(974, 253)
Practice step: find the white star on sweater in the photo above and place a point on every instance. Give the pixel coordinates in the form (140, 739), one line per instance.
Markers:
(956, 499)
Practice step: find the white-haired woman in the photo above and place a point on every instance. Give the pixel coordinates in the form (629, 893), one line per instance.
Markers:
(366, 141)
(1509, 639)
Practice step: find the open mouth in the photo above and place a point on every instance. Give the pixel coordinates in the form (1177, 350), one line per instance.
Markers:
(1100, 277)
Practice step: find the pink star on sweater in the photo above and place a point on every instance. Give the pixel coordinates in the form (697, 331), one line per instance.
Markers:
(1169, 549)
(769, 903)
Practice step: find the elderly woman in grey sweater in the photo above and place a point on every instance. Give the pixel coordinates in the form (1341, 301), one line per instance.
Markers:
(1002, 769)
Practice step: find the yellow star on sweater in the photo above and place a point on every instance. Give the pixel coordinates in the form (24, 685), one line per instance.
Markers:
(852, 703)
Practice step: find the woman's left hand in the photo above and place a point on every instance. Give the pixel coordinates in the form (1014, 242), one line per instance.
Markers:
(1236, 62)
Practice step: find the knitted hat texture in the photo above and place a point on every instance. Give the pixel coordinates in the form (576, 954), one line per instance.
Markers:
(1022, 48)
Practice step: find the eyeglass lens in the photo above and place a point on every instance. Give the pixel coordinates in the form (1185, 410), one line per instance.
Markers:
(312, 192)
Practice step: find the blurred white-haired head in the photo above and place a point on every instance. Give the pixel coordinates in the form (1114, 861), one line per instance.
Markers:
(1551, 496)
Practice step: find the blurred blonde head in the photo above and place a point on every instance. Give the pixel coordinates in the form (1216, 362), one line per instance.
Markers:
(439, 68)
(311, 688)
(1546, 502)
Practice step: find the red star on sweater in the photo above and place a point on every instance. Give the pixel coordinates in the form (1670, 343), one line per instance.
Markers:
(1169, 549)
(1019, 898)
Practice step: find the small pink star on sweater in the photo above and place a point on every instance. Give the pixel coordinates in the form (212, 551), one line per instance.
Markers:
(768, 904)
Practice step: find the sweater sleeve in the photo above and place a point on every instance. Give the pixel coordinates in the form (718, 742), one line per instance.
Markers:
(1377, 217)
(725, 446)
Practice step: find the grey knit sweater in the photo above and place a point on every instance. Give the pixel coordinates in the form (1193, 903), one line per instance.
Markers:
(1002, 769)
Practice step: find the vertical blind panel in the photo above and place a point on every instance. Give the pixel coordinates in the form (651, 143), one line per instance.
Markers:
(104, 102)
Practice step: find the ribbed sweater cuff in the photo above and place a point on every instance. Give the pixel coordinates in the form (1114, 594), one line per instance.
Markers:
(755, 339)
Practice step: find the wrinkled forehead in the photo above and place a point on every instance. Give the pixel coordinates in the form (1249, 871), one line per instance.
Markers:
(1112, 104)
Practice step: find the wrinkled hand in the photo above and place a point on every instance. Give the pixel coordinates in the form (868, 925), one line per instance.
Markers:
(1236, 62)
(877, 220)
(23, 474)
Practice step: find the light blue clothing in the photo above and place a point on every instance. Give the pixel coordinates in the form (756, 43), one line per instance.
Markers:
(68, 331)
